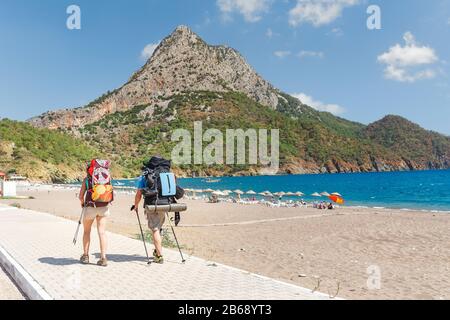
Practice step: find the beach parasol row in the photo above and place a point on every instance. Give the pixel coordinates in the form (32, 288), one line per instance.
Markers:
(335, 196)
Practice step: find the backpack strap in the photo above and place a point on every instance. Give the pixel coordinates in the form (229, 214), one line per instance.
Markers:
(89, 192)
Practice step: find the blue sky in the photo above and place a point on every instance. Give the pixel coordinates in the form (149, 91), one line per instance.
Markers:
(320, 50)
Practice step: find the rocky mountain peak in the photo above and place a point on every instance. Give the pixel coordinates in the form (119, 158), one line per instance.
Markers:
(183, 31)
(183, 62)
(181, 36)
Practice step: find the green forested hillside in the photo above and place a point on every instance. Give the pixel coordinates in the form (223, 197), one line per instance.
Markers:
(41, 154)
(410, 140)
(310, 141)
(318, 142)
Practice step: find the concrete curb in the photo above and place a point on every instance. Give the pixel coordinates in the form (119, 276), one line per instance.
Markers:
(22, 278)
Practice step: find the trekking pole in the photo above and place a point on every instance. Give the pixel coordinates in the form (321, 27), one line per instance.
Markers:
(75, 237)
(176, 240)
(142, 234)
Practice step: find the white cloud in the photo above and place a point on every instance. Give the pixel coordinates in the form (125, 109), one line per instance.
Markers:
(282, 54)
(148, 50)
(270, 33)
(311, 54)
(410, 62)
(319, 105)
(338, 32)
(318, 12)
(250, 9)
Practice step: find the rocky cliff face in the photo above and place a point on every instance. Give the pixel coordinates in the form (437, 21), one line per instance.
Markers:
(182, 62)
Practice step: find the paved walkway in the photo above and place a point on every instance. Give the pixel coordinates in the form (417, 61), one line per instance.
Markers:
(41, 246)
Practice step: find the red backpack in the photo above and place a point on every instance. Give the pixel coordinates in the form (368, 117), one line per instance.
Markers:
(99, 182)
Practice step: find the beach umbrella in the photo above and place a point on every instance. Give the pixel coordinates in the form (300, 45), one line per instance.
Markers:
(290, 194)
(268, 193)
(227, 191)
(251, 192)
(194, 191)
(325, 194)
(198, 191)
(279, 194)
(218, 193)
(208, 191)
(337, 199)
(239, 193)
(336, 194)
(299, 194)
(316, 194)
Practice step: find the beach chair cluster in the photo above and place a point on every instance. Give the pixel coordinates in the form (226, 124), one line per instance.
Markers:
(266, 198)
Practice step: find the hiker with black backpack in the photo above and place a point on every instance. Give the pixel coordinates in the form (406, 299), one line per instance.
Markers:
(95, 196)
(157, 185)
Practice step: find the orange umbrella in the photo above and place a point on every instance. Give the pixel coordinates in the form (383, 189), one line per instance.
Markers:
(337, 199)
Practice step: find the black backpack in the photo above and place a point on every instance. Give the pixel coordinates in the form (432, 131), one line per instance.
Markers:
(153, 194)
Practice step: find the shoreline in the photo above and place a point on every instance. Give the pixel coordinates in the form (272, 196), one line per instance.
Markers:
(131, 190)
(284, 174)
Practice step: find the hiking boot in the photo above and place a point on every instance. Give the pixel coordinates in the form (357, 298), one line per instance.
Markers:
(102, 262)
(84, 259)
(158, 259)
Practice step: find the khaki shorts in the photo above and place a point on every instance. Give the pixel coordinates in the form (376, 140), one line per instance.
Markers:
(155, 219)
(90, 213)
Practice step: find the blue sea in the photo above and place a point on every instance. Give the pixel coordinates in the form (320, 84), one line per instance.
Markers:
(421, 190)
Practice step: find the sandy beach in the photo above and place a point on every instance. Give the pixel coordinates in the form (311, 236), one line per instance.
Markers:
(330, 251)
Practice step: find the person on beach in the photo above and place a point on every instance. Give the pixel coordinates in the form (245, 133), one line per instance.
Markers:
(155, 220)
(95, 196)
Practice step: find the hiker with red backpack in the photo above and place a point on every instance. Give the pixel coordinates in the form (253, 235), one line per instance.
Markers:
(95, 196)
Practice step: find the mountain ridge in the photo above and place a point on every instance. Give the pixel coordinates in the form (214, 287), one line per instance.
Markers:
(161, 78)
(188, 80)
